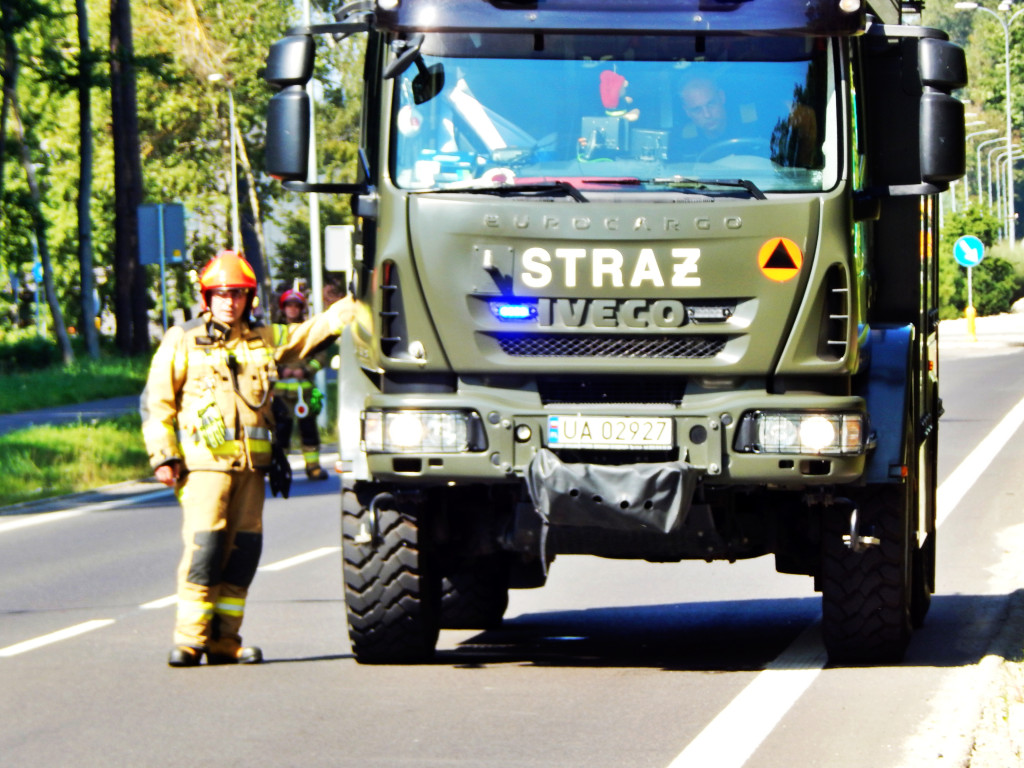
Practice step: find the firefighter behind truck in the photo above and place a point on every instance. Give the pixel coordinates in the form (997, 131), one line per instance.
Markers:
(649, 283)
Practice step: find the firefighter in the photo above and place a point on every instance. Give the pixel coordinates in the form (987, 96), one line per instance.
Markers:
(295, 396)
(206, 413)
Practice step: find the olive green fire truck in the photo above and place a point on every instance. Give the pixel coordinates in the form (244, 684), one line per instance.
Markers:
(650, 279)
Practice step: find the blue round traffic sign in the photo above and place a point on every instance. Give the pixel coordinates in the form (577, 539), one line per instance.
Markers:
(968, 251)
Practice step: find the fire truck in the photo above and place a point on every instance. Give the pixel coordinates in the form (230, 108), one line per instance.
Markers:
(648, 279)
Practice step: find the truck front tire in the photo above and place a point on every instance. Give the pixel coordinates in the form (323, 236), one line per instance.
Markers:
(391, 591)
(866, 594)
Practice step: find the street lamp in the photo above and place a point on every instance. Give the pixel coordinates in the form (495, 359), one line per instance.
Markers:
(236, 232)
(988, 164)
(1007, 191)
(977, 166)
(1004, 6)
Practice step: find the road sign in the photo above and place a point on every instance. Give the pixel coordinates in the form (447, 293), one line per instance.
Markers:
(968, 251)
(162, 233)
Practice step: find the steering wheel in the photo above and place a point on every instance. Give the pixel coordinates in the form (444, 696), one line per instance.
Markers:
(720, 149)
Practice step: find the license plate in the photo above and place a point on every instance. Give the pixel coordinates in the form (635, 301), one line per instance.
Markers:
(609, 433)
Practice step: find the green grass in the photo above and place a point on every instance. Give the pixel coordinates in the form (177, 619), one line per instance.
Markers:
(46, 461)
(81, 382)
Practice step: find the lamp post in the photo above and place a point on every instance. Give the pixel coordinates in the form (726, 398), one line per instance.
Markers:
(977, 165)
(236, 231)
(1006, 179)
(1004, 6)
(988, 162)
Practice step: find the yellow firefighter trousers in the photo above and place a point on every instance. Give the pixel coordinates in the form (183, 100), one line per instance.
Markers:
(223, 536)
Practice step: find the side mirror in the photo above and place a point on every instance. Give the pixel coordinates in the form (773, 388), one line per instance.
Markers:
(290, 61)
(288, 124)
(943, 68)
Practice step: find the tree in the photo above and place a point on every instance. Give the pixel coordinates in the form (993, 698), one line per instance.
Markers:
(132, 335)
(39, 230)
(85, 260)
(992, 281)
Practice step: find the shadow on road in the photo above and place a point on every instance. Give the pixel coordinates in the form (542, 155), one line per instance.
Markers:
(728, 636)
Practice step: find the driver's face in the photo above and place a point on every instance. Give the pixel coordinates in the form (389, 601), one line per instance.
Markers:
(704, 103)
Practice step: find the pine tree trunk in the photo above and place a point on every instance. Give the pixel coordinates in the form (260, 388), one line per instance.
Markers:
(39, 227)
(85, 261)
(130, 306)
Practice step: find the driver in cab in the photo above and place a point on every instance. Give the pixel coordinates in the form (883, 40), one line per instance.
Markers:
(712, 121)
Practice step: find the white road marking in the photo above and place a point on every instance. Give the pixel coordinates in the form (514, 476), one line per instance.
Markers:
(54, 637)
(280, 565)
(737, 731)
(36, 519)
(39, 518)
(960, 480)
(163, 602)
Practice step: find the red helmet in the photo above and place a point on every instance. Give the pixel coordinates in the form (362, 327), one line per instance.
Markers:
(227, 269)
(291, 295)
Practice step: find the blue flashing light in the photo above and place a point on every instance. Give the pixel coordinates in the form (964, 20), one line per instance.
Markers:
(513, 311)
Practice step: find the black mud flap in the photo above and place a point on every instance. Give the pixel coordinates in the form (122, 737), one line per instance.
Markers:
(627, 498)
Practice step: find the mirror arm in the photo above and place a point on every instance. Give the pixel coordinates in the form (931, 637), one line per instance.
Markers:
(326, 186)
(407, 52)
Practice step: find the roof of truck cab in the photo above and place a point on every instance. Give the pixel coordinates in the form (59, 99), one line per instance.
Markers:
(815, 17)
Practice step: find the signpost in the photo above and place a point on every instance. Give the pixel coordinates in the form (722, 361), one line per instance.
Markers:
(162, 240)
(968, 252)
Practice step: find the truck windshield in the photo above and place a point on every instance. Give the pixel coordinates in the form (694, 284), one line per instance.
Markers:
(525, 109)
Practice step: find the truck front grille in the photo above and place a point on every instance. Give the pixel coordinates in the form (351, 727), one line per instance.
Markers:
(557, 390)
(593, 345)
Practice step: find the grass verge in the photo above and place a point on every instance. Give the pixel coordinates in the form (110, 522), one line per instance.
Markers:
(80, 382)
(41, 462)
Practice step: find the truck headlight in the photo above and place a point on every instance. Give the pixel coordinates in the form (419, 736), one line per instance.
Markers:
(795, 432)
(412, 431)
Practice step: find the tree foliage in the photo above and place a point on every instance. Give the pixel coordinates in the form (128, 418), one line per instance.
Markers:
(184, 138)
(994, 281)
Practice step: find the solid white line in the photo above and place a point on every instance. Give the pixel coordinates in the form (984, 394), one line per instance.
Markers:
(731, 738)
(54, 637)
(737, 731)
(280, 565)
(960, 480)
(37, 518)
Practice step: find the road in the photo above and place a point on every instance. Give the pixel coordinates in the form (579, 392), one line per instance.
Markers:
(612, 665)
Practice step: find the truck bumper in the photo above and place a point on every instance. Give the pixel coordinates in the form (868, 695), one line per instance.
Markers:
(512, 428)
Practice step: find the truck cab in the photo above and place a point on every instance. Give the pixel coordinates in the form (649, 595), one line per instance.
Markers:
(636, 280)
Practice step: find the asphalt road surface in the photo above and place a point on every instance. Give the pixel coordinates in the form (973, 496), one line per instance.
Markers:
(612, 665)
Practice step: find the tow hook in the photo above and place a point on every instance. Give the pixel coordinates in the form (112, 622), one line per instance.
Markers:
(369, 530)
(854, 540)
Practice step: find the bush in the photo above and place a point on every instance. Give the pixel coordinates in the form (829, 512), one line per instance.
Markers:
(996, 283)
(23, 349)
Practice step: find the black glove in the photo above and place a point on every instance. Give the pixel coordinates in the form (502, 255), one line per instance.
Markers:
(280, 471)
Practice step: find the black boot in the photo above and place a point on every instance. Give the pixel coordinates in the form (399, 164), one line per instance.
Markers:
(315, 472)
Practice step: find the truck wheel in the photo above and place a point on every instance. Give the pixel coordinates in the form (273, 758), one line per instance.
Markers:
(390, 591)
(475, 595)
(866, 594)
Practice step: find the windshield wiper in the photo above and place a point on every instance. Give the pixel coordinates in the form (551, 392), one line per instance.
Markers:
(685, 181)
(515, 190)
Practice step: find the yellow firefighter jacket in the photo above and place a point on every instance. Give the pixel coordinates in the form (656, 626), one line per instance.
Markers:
(204, 367)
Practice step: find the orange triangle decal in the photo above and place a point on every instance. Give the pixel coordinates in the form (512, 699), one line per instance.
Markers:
(780, 259)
